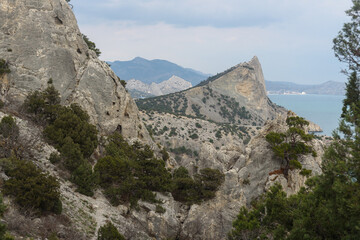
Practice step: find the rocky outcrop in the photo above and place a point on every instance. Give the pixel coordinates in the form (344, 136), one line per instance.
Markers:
(40, 40)
(236, 96)
(249, 172)
(173, 84)
(250, 169)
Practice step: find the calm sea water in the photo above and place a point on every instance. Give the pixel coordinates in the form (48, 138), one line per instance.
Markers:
(324, 110)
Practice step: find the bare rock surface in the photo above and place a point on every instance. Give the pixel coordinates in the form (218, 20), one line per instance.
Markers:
(40, 40)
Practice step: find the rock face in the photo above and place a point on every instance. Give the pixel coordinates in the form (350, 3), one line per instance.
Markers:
(173, 84)
(248, 174)
(248, 168)
(40, 40)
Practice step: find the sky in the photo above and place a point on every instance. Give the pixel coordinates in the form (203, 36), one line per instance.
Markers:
(292, 39)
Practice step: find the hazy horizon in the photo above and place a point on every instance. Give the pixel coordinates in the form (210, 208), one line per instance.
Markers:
(292, 39)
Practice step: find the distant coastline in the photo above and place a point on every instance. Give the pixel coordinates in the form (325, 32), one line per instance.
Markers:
(322, 109)
(289, 88)
(285, 93)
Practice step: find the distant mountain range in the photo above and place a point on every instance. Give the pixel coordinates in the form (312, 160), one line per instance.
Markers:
(155, 71)
(327, 88)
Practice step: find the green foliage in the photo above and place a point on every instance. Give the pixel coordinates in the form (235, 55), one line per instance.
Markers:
(109, 232)
(160, 209)
(172, 132)
(195, 190)
(306, 172)
(8, 127)
(9, 136)
(91, 45)
(194, 136)
(218, 134)
(329, 207)
(288, 146)
(54, 158)
(210, 180)
(129, 173)
(85, 179)
(185, 188)
(72, 122)
(69, 130)
(31, 188)
(165, 154)
(43, 104)
(4, 67)
(198, 125)
(2, 104)
(123, 83)
(175, 103)
(62, 121)
(347, 43)
(182, 150)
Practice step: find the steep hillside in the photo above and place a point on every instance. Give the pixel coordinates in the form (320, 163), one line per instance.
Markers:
(41, 40)
(154, 71)
(236, 96)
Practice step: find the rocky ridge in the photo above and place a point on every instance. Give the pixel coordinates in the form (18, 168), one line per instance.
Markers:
(236, 96)
(173, 84)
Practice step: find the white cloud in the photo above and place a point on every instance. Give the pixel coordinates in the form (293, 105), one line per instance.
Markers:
(293, 39)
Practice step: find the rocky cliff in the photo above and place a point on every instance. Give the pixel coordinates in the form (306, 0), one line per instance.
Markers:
(40, 40)
(249, 171)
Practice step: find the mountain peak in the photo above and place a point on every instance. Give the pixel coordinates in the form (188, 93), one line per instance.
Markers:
(139, 59)
(233, 96)
(157, 71)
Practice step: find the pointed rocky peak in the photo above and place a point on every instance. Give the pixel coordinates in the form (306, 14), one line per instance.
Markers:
(244, 81)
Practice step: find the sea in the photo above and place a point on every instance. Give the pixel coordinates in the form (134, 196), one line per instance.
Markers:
(324, 110)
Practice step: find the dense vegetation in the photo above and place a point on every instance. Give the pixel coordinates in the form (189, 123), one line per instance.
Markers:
(175, 103)
(9, 138)
(69, 130)
(289, 145)
(91, 45)
(109, 232)
(329, 206)
(130, 173)
(200, 188)
(4, 67)
(32, 189)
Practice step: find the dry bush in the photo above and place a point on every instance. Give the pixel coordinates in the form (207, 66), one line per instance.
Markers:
(43, 227)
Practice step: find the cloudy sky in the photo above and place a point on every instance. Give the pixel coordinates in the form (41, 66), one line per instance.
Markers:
(293, 39)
